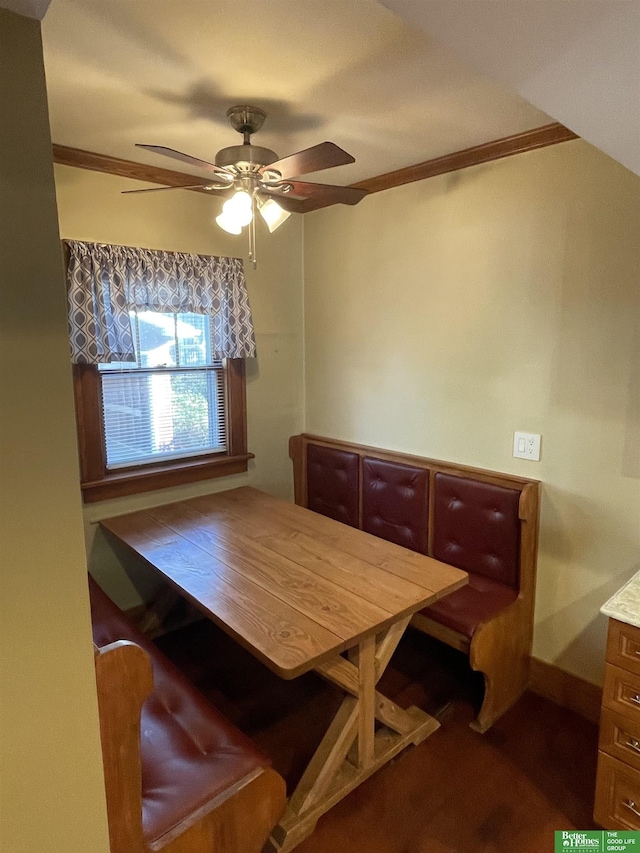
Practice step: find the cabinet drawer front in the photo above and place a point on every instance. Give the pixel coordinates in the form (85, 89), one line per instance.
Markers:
(617, 794)
(623, 646)
(620, 736)
(621, 692)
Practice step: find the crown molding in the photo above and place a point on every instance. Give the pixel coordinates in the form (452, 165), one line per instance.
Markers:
(529, 140)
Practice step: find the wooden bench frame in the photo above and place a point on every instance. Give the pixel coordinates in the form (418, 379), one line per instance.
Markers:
(501, 647)
(237, 821)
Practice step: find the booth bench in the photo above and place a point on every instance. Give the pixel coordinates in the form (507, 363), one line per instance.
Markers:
(179, 777)
(483, 522)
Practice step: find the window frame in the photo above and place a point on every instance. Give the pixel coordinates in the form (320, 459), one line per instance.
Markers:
(99, 484)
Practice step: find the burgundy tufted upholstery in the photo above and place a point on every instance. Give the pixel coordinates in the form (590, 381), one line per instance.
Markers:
(476, 528)
(332, 483)
(480, 600)
(395, 503)
(190, 753)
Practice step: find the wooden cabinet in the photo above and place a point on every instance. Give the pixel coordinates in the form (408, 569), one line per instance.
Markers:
(617, 803)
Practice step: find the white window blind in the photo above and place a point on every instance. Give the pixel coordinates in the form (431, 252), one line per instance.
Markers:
(170, 403)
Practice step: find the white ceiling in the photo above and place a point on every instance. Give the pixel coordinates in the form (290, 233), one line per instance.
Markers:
(579, 60)
(164, 72)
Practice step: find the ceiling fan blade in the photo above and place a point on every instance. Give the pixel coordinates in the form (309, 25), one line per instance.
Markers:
(188, 187)
(326, 193)
(186, 158)
(325, 155)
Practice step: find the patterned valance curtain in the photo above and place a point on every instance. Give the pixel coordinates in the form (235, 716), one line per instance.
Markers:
(106, 282)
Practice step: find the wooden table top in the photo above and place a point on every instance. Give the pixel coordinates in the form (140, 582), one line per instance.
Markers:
(291, 586)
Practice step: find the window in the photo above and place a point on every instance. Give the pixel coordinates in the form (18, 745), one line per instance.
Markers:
(174, 415)
(170, 403)
(155, 405)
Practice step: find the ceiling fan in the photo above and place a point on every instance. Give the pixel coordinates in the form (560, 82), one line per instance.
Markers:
(252, 177)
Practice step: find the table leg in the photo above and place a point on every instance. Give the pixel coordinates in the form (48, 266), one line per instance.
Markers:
(158, 611)
(366, 701)
(336, 769)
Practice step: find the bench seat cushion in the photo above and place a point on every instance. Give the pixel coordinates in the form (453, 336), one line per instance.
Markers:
(190, 753)
(480, 600)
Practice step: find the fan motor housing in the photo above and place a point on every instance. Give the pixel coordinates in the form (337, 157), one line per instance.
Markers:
(246, 119)
(245, 156)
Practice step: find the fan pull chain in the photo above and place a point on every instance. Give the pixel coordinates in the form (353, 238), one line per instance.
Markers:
(252, 235)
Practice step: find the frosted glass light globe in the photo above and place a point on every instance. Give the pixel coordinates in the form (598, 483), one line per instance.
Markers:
(239, 207)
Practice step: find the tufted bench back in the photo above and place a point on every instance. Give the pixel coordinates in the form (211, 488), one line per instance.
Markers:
(476, 527)
(395, 502)
(333, 478)
(466, 517)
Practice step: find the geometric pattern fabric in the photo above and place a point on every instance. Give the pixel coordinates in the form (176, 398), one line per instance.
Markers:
(105, 282)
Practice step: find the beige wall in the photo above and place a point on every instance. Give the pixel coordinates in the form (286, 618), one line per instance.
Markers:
(92, 208)
(444, 315)
(51, 789)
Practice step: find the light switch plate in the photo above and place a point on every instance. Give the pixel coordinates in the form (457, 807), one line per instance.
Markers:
(526, 445)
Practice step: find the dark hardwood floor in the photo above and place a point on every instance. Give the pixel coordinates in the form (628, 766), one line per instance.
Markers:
(458, 792)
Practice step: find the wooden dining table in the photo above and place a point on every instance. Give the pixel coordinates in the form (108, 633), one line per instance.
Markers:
(301, 592)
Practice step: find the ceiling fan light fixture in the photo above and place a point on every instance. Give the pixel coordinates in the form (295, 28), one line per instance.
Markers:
(256, 177)
(239, 208)
(272, 213)
(228, 224)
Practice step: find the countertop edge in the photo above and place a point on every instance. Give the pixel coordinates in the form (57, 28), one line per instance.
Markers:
(624, 605)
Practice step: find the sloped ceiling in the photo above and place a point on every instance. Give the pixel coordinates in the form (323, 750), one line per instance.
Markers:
(29, 8)
(577, 60)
